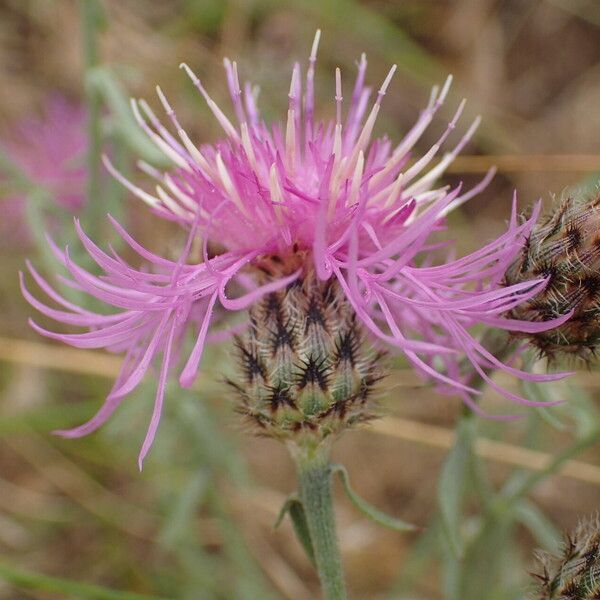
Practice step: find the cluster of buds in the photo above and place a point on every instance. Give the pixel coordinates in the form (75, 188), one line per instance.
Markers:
(307, 372)
(575, 574)
(564, 248)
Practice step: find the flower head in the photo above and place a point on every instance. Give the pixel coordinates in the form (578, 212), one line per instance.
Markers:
(564, 247)
(575, 572)
(50, 151)
(307, 372)
(290, 202)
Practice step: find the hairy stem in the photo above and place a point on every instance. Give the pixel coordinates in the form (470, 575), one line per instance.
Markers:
(90, 19)
(315, 494)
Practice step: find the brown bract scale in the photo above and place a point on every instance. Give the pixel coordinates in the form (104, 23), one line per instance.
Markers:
(274, 266)
(575, 573)
(564, 248)
(305, 371)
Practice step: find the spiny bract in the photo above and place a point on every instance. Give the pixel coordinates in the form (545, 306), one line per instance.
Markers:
(306, 372)
(564, 248)
(575, 574)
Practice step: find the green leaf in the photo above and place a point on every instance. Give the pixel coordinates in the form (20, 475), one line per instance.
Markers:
(182, 512)
(582, 409)
(23, 579)
(47, 417)
(453, 482)
(294, 507)
(538, 524)
(422, 553)
(543, 393)
(368, 510)
(102, 80)
(19, 178)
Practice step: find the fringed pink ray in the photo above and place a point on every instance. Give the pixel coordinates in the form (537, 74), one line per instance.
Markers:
(362, 209)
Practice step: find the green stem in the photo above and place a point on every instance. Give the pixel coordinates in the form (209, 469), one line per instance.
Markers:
(314, 474)
(90, 18)
(74, 589)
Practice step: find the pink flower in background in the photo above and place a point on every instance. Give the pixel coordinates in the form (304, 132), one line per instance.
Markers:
(280, 202)
(50, 151)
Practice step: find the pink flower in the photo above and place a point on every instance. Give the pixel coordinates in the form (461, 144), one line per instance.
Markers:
(278, 201)
(50, 151)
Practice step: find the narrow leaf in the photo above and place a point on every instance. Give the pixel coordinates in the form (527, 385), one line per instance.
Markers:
(538, 524)
(23, 579)
(453, 482)
(368, 510)
(294, 507)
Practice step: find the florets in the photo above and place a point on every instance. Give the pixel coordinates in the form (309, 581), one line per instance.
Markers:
(292, 203)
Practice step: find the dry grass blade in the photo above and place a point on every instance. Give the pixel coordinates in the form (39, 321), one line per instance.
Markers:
(81, 487)
(515, 163)
(501, 452)
(96, 363)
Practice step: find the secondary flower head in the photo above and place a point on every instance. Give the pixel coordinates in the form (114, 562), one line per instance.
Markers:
(575, 572)
(50, 151)
(292, 202)
(564, 247)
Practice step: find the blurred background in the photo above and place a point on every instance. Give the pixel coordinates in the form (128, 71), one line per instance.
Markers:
(77, 519)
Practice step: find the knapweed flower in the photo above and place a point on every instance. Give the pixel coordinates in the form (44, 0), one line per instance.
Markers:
(50, 151)
(291, 206)
(575, 573)
(564, 247)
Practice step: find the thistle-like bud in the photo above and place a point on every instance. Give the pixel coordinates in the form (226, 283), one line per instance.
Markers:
(575, 574)
(307, 372)
(564, 248)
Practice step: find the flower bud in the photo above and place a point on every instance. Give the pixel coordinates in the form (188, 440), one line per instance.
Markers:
(575, 574)
(564, 248)
(306, 371)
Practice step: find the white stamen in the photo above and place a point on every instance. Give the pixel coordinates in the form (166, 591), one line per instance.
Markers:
(229, 186)
(448, 158)
(365, 134)
(157, 139)
(149, 169)
(315, 46)
(140, 193)
(173, 206)
(356, 179)
(445, 89)
(230, 130)
(195, 154)
(276, 193)
(247, 144)
(338, 95)
(386, 82)
(336, 178)
(186, 200)
(396, 188)
(290, 141)
(408, 175)
(415, 133)
(234, 89)
(290, 130)
(432, 96)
